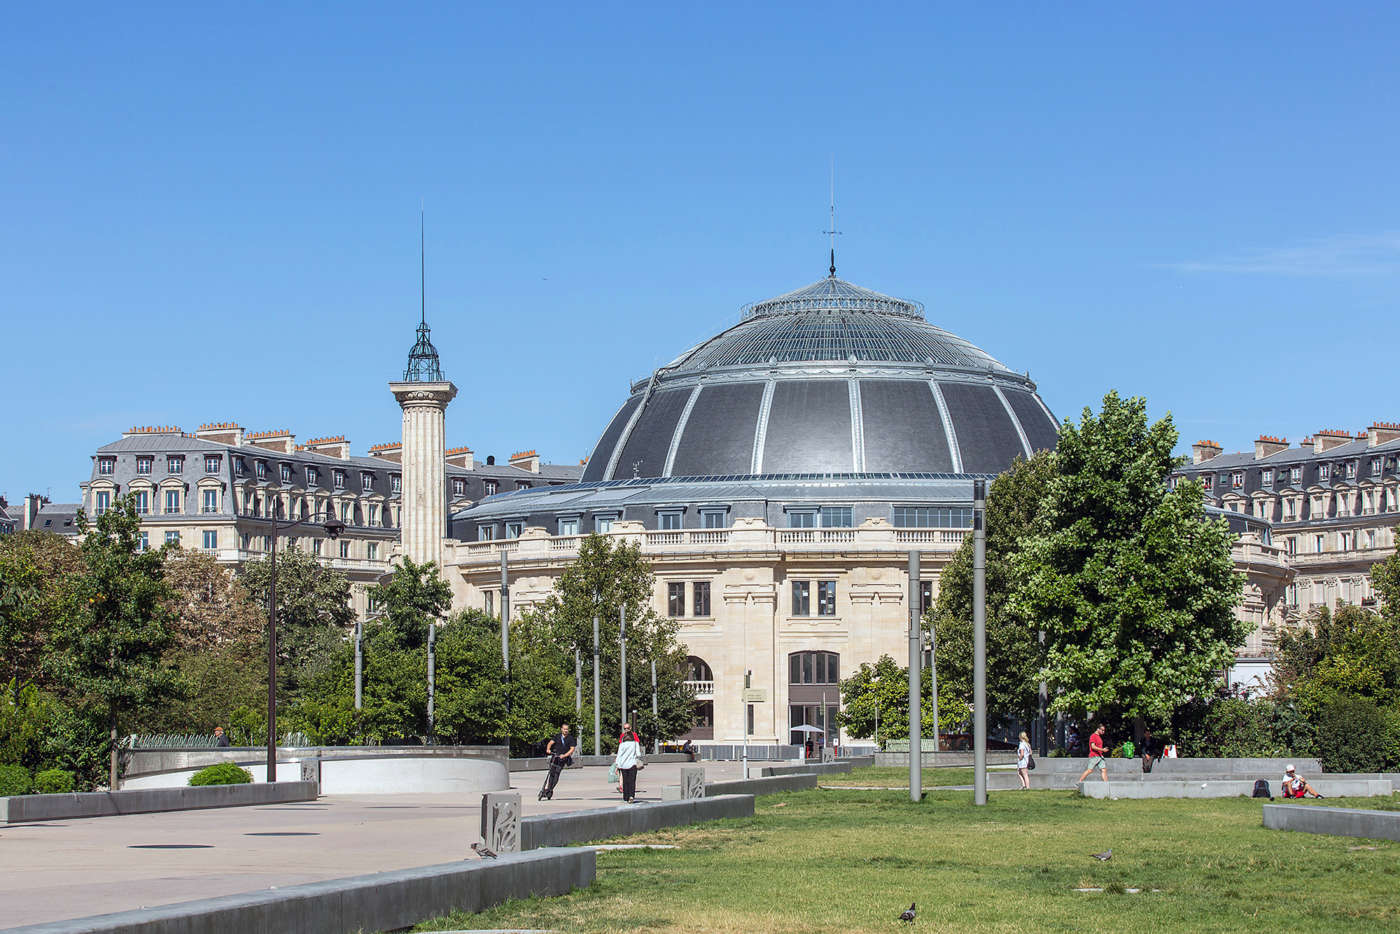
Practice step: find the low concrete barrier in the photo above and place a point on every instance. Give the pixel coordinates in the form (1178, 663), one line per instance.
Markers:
(1063, 781)
(809, 768)
(1184, 768)
(1342, 822)
(540, 763)
(379, 902)
(147, 800)
(141, 762)
(1332, 788)
(936, 759)
(805, 781)
(601, 823)
(373, 774)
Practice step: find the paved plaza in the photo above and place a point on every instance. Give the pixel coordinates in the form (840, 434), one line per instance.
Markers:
(74, 868)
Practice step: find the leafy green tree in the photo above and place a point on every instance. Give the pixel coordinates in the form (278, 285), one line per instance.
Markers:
(1135, 589)
(33, 569)
(413, 597)
(1353, 652)
(108, 651)
(879, 695)
(606, 578)
(1015, 655)
(313, 613)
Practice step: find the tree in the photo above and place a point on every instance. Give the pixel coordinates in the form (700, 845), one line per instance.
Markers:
(883, 689)
(1014, 653)
(114, 626)
(1385, 578)
(604, 579)
(33, 568)
(210, 605)
(313, 613)
(1135, 588)
(414, 597)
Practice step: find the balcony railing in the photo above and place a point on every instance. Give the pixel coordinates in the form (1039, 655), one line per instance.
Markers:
(700, 688)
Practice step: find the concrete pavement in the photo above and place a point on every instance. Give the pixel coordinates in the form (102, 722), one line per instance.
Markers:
(74, 868)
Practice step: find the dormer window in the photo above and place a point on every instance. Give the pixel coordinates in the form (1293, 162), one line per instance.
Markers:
(260, 470)
(1266, 477)
(312, 476)
(286, 473)
(1206, 480)
(338, 476)
(1295, 474)
(211, 463)
(459, 486)
(1236, 479)
(395, 483)
(174, 463)
(105, 465)
(240, 466)
(491, 487)
(1324, 472)
(1375, 466)
(1351, 470)
(143, 464)
(366, 480)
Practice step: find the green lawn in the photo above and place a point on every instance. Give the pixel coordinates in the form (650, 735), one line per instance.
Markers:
(852, 860)
(897, 776)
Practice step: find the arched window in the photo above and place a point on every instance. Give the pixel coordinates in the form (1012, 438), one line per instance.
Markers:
(697, 670)
(814, 668)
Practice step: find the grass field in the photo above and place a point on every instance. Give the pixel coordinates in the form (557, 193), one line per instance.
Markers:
(897, 776)
(852, 860)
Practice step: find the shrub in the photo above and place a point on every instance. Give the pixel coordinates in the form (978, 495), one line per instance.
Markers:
(14, 780)
(224, 773)
(53, 782)
(1356, 735)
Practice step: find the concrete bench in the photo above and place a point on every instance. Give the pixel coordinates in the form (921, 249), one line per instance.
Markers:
(1343, 822)
(1332, 788)
(148, 800)
(602, 823)
(773, 784)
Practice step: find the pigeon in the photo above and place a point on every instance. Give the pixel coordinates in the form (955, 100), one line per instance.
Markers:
(1103, 857)
(482, 851)
(908, 914)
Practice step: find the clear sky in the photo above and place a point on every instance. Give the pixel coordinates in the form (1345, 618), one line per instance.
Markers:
(211, 213)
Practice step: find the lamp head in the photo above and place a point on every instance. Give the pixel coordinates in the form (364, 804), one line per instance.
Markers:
(333, 526)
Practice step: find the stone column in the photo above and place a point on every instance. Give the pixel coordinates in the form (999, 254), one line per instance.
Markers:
(423, 514)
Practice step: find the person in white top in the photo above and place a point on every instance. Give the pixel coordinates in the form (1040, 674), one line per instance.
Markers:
(628, 761)
(1023, 761)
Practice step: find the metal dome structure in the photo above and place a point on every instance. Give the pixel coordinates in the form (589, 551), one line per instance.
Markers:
(830, 378)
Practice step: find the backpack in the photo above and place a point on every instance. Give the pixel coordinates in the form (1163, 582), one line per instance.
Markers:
(1261, 789)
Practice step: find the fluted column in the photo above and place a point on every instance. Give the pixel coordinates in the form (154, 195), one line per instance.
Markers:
(423, 511)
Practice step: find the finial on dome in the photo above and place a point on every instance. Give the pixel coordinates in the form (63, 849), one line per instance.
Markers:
(833, 232)
(423, 364)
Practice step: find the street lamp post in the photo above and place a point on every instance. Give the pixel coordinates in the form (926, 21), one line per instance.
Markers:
(333, 527)
(979, 642)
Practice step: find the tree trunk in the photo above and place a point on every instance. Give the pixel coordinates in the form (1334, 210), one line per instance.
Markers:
(112, 765)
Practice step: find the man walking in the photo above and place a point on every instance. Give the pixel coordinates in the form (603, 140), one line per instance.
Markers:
(561, 753)
(1096, 754)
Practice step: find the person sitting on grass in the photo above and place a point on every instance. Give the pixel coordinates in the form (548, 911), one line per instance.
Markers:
(1295, 786)
(1096, 754)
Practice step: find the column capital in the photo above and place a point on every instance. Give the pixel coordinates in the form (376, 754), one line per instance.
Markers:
(433, 395)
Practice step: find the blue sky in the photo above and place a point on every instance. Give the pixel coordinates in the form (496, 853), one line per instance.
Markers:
(212, 213)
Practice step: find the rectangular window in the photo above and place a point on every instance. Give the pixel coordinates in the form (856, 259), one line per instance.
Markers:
(105, 465)
(712, 518)
(1351, 470)
(668, 521)
(836, 517)
(932, 517)
(395, 483)
(211, 463)
(513, 529)
(246, 542)
(240, 466)
(488, 602)
(603, 524)
(372, 551)
(1317, 544)
(826, 598)
(345, 513)
(1370, 538)
(1236, 479)
(802, 518)
(522, 484)
(260, 469)
(366, 481)
(700, 592)
(491, 487)
(174, 463)
(1324, 472)
(1266, 478)
(801, 598)
(210, 502)
(568, 526)
(925, 596)
(211, 539)
(172, 538)
(143, 503)
(1375, 466)
(345, 549)
(104, 501)
(144, 542)
(373, 514)
(312, 476)
(485, 533)
(338, 478)
(459, 486)
(1295, 474)
(675, 600)
(172, 502)
(143, 464)
(1206, 480)
(316, 546)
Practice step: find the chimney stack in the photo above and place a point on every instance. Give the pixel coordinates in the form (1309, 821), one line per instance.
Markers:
(1203, 451)
(393, 451)
(1268, 445)
(461, 457)
(1328, 439)
(526, 460)
(221, 433)
(278, 439)
(1382, 433)
(336, 447)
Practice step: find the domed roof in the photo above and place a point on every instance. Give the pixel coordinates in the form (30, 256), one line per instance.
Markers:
(830, 378)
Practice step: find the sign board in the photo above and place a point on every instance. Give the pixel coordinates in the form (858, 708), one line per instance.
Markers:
(755, 695)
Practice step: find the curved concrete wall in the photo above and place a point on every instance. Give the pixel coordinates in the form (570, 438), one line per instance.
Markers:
(373, 775)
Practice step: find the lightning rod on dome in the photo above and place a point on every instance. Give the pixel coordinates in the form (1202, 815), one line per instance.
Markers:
(833, 232)
(422, 266)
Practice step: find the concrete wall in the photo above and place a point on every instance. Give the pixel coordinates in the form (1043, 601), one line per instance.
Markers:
(1344, 822)
(805, 781)
(374, 774)
(144, 801)
(1255, 768)
(141, 762)
(819, 768)
(1003, 780)
(540, 763)
(378, 902)
(1334, 788)
(602, 823)
(932, 759)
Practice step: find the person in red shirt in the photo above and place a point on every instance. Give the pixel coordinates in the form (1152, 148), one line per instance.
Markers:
(1096, 754)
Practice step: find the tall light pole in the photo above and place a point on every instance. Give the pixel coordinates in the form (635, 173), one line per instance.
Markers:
(597, 696)
(622, 641)
(432, 676)
(333, 527)
(979, 642)
(505, 632)
(655, 725)
(916, 750)
(359, 673)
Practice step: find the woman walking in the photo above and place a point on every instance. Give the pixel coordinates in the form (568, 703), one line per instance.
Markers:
(629, 757)
(1023, 761)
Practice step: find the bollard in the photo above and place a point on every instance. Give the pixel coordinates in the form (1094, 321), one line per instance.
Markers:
(692, 783)
(500, 821)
